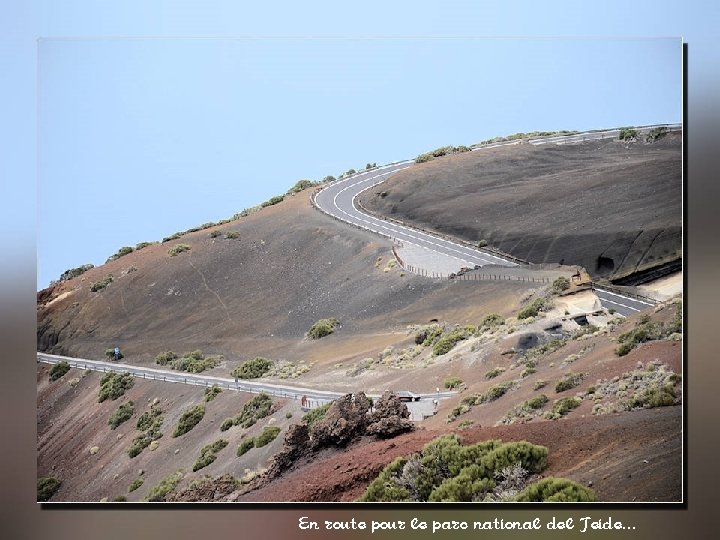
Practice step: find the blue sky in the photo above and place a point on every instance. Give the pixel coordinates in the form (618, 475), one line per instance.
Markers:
(139, 138)
(153, 117)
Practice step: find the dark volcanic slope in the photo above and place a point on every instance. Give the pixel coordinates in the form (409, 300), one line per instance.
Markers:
(256, 295)
(610, 206)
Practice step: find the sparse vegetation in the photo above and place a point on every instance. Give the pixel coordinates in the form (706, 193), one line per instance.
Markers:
(126, 250)
(492, 320)
(656, 134)
(149, 424)
(428, 335)
(214, 234)
(322, 328)
(75, 272)
(113, 385)
(142, 245)
(482, 243)
(252, 369)
(267, 436)
(313, 415)
(232, 235)
(556, 490)
(521, 135)
(101, 284)
(447, 471)
(301, 185)
(211, 392)
(208, 454)
(245, 446)
(627, 134)
(168, 484)
(532, 309)
(439, 152)
(560, 284)
(258, 407)
(122, 414)
(110, 354)
(570, 380)
(563, 406)
(452, 383)
(177, 249)
(165, 358)
(58, 370)
(494, 372)
(46, 488)
(646, 330)
(539, 384)
(135, 484)
(189, 419)
(190, 362)
(272, 201)
(448, 340)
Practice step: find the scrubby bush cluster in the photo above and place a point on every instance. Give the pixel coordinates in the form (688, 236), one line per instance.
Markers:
(75, 272)
(46, 488)
(122, 414)
(126, 250)
(627, 134)
(452, 382)
(494, 372)
(113, 385)
(135, 484)
(318, 413)
(252, 369)
(58, 370)
(301, 185)
(163, 489)
(428, 335)
(656, 133)
(446, 471)
(208, 454)
(570, 380)
(189, 419)
(272, 201)
(532, 309)
(101, 284)
(560, 284)
(449, 339)
(258, 407)
(439, 152)
(563, 406)
(211, 392)
(232, 235)
(268, 435)
(190, 362)
(149, 425)
(556, 490)
(647, 330)
(491, 321)
(322, 328)
(491, 394)
(177, 249)
(526, 410)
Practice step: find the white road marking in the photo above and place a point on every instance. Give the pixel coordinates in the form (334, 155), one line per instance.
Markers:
(621, 296)
(618, 304)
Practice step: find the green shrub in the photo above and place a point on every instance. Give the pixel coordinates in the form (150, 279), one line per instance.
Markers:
(656, 133)
(208, 454)
(273, 200)
(174, 236)
(452, 382)
(120, 498)
(212, 392)
(267, 436)
(232, 235)
(177, 249)
(75, 272)
(645, 331)
(252, 369)
(46, 488)
(328, 179)
(428, 335)
(445, 470)
(168, 484)
(288, 415)
(122, 414)
(126, 250)
(494, 372)
(313, 415)
(532, 309)
(165, 358)
(246, 445)
(135, 485)
(194, 362)
(189, 419)
(58, 370)
(570, 380)
(560, 284)
(555, 490)
(227, 424)
(564, 406)
(322, 328)
(300, 185)
(113, 385)
(149, 418)
(214, 234)
(492, 320)
(482, 243)
(539, 384)
(654, 397)
(538, 402)
(627, 134)
(142, 245)
(258, 407)
(101, 284)
(448, 341)
(496, 392)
